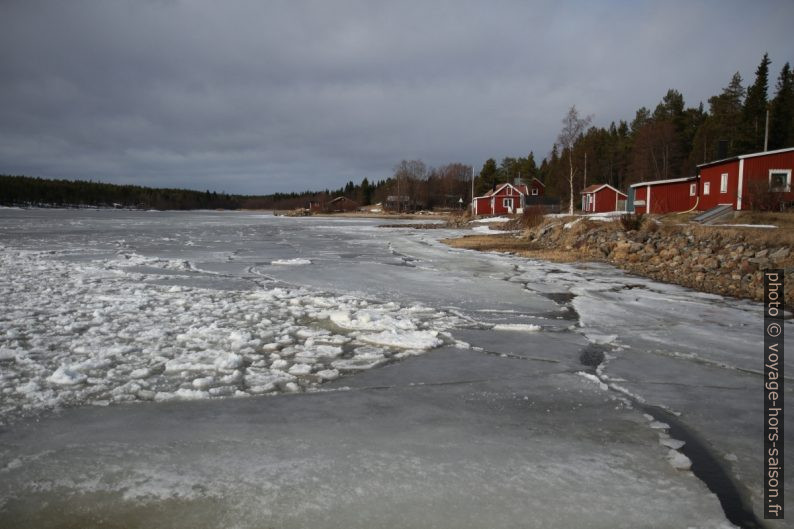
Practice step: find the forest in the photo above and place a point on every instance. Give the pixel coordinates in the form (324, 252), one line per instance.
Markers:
(666, 142)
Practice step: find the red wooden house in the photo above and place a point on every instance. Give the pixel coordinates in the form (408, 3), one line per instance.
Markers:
(664, 196)
(601, 198)
(507, 198)
(745, 181)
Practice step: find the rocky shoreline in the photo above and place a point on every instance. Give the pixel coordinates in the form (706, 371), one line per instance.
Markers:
(720, 261)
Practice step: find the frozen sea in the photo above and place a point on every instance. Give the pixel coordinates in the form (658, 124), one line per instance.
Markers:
(219, 369)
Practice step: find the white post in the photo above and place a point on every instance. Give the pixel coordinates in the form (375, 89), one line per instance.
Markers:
(766, 131)
(472, 191)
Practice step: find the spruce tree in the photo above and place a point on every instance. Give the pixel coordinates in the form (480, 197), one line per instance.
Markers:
(781, 115)
(488, 177)
(754, 110)
(725, 118)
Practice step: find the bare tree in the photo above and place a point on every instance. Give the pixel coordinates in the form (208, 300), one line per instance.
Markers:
(408, 174)
(573, 126)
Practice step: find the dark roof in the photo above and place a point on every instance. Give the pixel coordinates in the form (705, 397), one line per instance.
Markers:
(744, 156)
(597, 187)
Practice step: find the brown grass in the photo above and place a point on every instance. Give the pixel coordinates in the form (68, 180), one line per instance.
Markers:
(490, 243)
(533, 216)
(509, 244)
(781, 219)
(769, 237)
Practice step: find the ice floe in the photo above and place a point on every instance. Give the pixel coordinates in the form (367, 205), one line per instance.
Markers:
(95, 332)
(291, 262)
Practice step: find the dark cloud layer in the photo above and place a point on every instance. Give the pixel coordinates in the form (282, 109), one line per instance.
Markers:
(257, 97)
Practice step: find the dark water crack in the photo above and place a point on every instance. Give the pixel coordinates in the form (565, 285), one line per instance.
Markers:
(707, 467)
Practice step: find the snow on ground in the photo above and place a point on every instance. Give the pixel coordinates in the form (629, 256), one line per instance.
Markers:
(99, 332)
(609, 215)
(487, 220)
(487, 230)
(769, 226)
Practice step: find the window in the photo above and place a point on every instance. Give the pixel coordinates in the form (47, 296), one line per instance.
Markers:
(780, 180)
(724, 183)
(693, 189)
(508, 203)
(706, 187)
(534, 191)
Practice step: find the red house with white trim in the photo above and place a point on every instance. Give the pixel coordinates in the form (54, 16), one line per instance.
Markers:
(664, 196)
(506, 198)
(601, 198)
(740, 180)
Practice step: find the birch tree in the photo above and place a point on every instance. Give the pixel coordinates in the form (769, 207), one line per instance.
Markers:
(573, 126)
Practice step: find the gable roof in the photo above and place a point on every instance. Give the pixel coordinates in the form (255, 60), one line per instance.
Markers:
(745, 156)
(341, 199)
(500, 187)
(595, 188)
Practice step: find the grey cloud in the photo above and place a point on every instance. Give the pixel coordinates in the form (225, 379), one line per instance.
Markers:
(258, 97)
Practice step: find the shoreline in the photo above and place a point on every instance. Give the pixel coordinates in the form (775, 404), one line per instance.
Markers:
(722, 263)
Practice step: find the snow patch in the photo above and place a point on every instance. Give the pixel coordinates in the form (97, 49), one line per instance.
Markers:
(678, 460)
(524, 327)
(291, 262)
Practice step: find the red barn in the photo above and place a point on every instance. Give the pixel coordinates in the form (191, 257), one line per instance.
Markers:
(506, 198)
(664, 196)
(601, 198)
(748, 180)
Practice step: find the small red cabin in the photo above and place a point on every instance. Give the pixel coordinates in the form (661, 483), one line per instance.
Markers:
(506, 198)
(748, 180)
(601, 198)
(664, 196)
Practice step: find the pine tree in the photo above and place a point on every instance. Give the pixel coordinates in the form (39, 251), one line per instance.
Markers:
(488, 177)
(781, 115)
(725, 119)
(754, 110)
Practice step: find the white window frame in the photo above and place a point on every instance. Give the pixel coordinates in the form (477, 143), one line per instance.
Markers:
(706, 188)
(507, 203)
(724, 183)
(534, 191)
(786, 189)
(693, 189)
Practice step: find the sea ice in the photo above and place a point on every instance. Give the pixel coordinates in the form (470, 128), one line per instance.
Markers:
(291, 262)
(81, 331)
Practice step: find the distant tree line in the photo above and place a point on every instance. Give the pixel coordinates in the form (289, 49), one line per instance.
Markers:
(413, 185)
(27, 191)
(441, 187)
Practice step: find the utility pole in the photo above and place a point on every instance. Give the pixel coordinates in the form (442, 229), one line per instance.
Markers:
(472, 190)
(766, 131)
(584, 179)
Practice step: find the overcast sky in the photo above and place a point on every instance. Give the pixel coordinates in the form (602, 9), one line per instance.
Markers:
(263, 96)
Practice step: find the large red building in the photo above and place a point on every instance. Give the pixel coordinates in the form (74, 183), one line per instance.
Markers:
(506, 198)
(664, 196)
(601, 198)
(745, 179)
